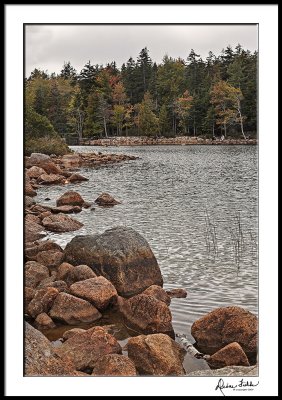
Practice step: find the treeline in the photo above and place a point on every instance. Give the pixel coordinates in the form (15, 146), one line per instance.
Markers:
(211, 97)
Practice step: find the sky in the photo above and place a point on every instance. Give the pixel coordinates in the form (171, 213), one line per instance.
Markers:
(47, 47)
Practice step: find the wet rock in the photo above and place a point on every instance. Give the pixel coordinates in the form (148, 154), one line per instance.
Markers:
(66, 209)
(35, 172)
(61, 223)
(156, 355)
(106, 200)
(121, 255)
(28, 201)
(226, 325)
(227, 371)
(71, 332)
(114, 365)
(50, 258)
(177, 293)
(35, 273)
(99, 291)
(43, 321)
(39, 359)
(87, 347)
(77, 178)
(159, 293)
(42, 301)
(146, 314)
(33, 231)
(232, 354)
(72, 310)
(70, 198)
(50, 179)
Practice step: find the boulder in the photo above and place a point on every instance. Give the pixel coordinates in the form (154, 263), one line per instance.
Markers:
(79, 273)
(99, 291)
(42, 301)
(32, 250)
(71, 332)
(121, 255)
(44, 214)
(63, 271)
(28, 296)
(70, 198)
(177, 293)
(43, 321)
(35, 273)
(35, 172)
(50, 179)
(85, 348)
(72, 310)
(77, 178)
(156, 355)
(158, 292)
(39, 358)
(66, 209)
(28, 201)
(33, 231)
(61, 223)
(43, 161)
(50, 258)
(33, 219)
(61, 286)
(146, 314)
(114, 365)
(28, 190)
(232, 354)
(226, 325)
(106, 200)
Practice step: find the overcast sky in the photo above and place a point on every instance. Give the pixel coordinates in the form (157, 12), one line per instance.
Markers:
(48, 46)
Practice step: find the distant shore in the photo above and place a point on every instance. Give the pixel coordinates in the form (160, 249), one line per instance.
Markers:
(180, 140)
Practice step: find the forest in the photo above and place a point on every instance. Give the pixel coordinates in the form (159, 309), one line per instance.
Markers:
(212, 97)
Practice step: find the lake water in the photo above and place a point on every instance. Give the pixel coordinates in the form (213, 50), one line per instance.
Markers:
(197, 206)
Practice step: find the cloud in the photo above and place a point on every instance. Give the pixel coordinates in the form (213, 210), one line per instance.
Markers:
(48, 46)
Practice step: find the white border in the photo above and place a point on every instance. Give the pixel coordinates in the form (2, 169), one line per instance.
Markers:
(267, 17)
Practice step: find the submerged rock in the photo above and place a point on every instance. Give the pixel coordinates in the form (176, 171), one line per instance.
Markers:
(146, 314)
(121, 255)
(156, 355)
(177, 293)
(106, 200)
(72, 310)
(114, 365)
(66, 209)
(87, 347)
(77, 178)
(226, 325)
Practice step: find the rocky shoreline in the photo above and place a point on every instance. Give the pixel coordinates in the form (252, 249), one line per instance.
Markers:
(115, 271)
(179, 140)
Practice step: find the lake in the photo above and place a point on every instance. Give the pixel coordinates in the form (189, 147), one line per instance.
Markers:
(197, 206)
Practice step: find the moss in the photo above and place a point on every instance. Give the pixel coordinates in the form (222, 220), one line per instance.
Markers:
(46, 145)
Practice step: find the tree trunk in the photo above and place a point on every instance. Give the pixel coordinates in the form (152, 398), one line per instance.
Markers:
(224, 129)
(241, 119)
(105, 126)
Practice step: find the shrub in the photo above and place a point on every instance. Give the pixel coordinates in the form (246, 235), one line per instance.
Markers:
(46, 145)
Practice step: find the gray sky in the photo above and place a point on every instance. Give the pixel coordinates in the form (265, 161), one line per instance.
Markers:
(48, 46)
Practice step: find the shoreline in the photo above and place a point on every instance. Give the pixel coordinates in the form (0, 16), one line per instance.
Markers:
(180, 140)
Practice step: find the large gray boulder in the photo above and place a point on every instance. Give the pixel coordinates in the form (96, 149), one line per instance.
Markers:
(121, 255)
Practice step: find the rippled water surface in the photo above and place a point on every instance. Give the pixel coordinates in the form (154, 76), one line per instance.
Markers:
(197, 208)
